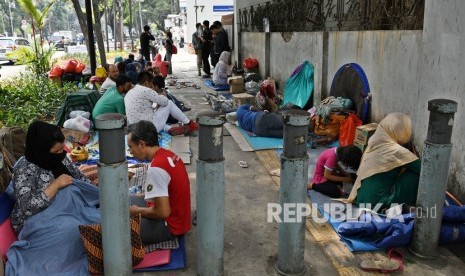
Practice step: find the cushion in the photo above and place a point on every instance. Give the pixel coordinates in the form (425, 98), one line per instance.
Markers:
(7, 237)
(91, 236)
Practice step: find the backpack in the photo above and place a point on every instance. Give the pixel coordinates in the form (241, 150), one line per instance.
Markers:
(13, 139)
(174, 49)
(83, 99)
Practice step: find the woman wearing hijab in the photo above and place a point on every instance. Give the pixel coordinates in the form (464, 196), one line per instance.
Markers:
(41, 173)
(388, 173)
(222, 70)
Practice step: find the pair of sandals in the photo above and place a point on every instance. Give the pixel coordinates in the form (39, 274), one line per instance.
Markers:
(393, 263)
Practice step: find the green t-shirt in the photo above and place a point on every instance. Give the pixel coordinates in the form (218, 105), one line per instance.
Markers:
(111, 102)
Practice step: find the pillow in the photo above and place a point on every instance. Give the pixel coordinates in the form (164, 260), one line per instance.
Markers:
(91, 236)
(7, 237)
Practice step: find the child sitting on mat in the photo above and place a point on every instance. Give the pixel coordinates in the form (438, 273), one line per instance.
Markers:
(325, 179)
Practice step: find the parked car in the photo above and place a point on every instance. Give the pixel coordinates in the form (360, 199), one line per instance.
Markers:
(9, 44)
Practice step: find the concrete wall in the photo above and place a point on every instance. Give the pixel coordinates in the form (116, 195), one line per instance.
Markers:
(253, 47)
(286, 56)
(442, 66)
(390, 60)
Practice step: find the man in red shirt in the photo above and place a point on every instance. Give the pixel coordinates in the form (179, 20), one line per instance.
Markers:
(167, 213)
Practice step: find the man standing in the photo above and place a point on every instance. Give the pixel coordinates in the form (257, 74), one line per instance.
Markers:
(145, 38)
(110, 80)
(166, 189)
(221, 42)
(169, 51)
(112, 101)
(197, 43)
(206, 47)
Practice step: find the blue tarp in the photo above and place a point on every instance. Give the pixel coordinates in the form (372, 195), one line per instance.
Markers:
(299, 87)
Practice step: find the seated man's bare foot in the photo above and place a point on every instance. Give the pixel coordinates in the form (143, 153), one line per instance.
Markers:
(309, 186)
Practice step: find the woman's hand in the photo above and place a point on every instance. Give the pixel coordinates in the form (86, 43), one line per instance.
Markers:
(57, 184)
(62, 181)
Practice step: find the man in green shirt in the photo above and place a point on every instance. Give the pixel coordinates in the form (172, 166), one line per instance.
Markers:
(112, 101)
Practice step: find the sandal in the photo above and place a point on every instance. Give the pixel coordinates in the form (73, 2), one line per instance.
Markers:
(383, 266)
(242, 164)
(396, 255)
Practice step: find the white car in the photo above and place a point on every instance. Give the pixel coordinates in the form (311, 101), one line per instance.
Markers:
(9, 44)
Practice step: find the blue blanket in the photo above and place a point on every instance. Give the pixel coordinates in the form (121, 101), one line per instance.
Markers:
(210, 84)
(52, 236)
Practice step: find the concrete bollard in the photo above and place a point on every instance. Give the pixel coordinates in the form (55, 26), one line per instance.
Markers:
(114, 200)
(433, 178)
(210, 195)
(294, 178)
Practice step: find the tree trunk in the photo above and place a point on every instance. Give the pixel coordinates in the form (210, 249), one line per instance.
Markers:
(98, 32)
(82, 21)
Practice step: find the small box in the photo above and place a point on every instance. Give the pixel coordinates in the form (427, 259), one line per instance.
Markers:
(236, 84)
(362, 147)
(243, 98)
(363, 133)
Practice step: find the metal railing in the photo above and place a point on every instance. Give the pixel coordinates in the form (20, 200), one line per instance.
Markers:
(333, 15)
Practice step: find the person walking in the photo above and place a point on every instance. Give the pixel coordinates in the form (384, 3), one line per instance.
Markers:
(145, 38)
(197, 44)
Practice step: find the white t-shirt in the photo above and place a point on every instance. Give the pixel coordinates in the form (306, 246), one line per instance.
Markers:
(157, 183)
(139, 101)
(107, 84)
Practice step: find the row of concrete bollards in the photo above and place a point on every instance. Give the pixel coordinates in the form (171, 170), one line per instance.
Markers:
(294, 177)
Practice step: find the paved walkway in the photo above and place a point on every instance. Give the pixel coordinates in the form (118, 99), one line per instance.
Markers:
(250, 244)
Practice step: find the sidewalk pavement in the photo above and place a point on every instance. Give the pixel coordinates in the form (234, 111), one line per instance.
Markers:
(250, 243)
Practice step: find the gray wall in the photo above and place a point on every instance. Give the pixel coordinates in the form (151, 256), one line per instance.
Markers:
(442, 66)
(390, 60)
(253, 46)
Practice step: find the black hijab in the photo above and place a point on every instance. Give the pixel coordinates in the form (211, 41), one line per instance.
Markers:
(41, 137)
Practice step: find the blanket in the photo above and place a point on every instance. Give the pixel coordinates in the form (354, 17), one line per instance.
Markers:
(50, 243)
(210, 84)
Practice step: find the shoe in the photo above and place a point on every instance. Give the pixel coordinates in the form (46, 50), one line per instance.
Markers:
(193, 126)
(206, 76)
(178, 130)
(184, 109)
(200, 74)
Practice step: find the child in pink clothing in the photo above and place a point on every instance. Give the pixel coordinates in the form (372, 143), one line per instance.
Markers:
(325, 179)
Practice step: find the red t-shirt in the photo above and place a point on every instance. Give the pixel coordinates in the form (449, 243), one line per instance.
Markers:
(167, 176)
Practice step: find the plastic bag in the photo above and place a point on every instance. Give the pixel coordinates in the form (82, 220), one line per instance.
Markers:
(100, 72)
(347, 130)
(78, 123)
(70, 66)
(80, 67)
(299, 87)
(55, 72)
(331, 128)
(252, 87)
(250, 63)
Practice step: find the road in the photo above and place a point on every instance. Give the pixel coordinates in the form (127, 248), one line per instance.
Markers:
(9, 71)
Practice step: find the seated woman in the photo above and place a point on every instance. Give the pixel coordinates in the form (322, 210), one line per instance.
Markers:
(162, 65)
(327, 178)
(388, 173)
(222, 70)
(42, 173)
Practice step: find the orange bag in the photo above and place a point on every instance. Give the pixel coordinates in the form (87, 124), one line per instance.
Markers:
(347, 130)
(70, 66)
(331, 128)
(79, 68)
(55, 72)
